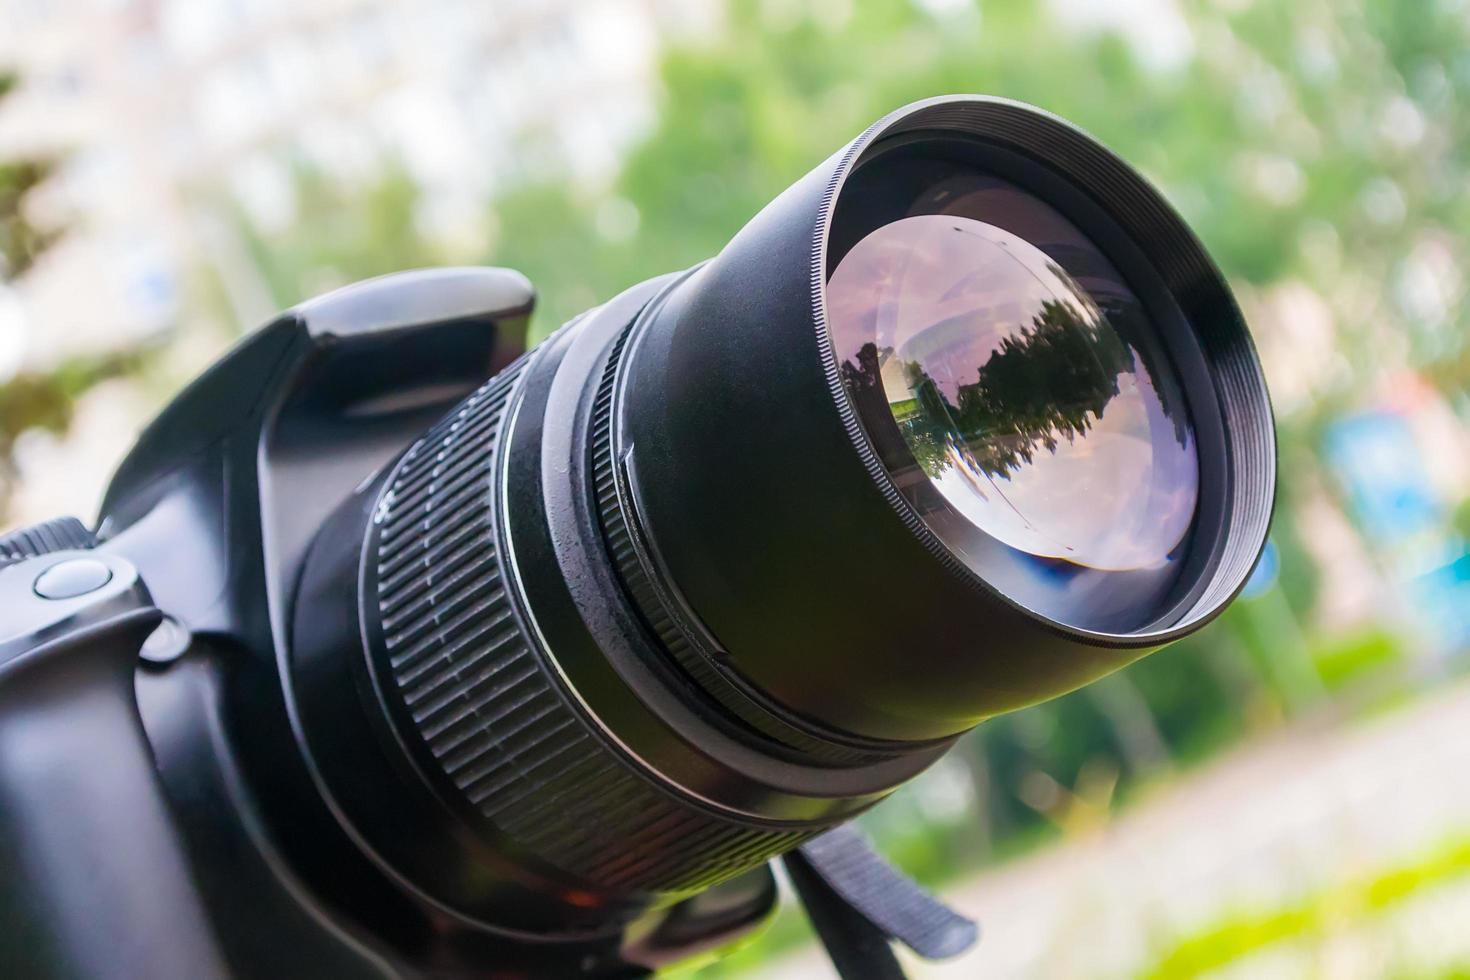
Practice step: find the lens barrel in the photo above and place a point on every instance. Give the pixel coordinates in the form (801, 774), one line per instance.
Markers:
(653, 605)
(776, 519)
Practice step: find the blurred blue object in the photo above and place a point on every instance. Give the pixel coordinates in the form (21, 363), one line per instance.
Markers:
(1380, 465)
(1375, 457)
(1267, 571)
(1443, 597)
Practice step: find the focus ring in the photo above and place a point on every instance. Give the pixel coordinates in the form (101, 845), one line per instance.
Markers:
(619, 535)
(486, 707)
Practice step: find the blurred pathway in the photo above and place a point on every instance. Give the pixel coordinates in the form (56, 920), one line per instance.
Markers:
(1267, 824)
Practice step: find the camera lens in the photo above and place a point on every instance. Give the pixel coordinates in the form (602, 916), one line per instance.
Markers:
(962, 420)
(1011, 382)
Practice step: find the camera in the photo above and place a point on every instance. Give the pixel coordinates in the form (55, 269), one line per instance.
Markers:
(375, 667)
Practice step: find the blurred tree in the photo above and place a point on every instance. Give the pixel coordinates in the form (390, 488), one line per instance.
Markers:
(21, 241)
(33, 399)
(340, 233)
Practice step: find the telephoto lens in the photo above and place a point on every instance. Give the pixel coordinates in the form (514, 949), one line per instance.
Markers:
(963, 420)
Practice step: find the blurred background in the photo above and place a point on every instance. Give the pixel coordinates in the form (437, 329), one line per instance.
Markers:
(1285, 794)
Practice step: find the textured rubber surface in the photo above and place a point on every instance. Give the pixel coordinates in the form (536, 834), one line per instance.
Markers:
(858, 949)
(886, 897)
(491, 710)
(59, 534)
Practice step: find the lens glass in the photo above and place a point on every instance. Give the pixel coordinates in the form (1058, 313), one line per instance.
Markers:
(1016, 391)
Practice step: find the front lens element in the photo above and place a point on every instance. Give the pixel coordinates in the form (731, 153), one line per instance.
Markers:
(1030, 404)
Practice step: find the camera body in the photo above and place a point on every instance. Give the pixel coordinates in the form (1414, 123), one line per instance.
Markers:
(166, 819)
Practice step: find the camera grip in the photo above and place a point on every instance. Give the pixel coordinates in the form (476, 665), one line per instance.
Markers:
(93, 878)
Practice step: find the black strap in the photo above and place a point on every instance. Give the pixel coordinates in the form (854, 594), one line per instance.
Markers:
(857, 902)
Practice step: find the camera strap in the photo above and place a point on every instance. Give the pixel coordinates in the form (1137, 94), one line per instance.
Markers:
(857, 903)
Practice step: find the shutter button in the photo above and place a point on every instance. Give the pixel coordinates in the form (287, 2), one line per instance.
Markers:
(71, 578)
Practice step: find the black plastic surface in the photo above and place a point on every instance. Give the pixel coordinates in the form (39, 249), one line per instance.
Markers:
(94, 881)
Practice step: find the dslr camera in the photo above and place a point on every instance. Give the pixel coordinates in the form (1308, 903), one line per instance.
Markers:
(398, 653)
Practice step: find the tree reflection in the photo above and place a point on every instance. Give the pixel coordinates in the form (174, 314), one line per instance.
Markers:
(1047, 383)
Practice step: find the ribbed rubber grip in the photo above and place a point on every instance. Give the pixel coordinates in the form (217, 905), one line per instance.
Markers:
(59, 534)
(490, 708)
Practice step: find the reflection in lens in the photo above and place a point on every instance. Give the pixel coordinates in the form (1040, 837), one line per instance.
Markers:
(1020, 410)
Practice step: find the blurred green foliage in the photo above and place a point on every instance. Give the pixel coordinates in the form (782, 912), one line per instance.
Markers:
(31, 399)
(339, 234)
(46, 400)
(21, 241)
(1335, 910)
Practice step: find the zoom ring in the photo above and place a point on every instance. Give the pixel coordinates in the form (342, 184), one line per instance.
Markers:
(487, 706)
